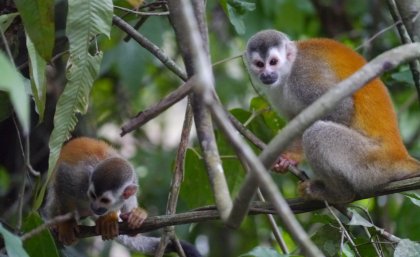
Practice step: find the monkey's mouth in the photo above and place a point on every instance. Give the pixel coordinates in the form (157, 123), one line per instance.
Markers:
(269, 78)
(98, 211)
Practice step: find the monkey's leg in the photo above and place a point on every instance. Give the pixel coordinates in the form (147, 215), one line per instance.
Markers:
(67, 231)
(107, 226)
(338, 156)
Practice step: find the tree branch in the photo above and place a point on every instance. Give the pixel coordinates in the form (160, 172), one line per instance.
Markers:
(144, 116)
(208, 213)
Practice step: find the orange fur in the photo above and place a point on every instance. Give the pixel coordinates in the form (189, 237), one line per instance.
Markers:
(82, 148)
(374, 113)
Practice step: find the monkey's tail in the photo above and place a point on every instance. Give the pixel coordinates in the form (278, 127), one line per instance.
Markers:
(149, 245)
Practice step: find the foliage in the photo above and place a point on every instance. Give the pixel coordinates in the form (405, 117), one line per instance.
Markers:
(109, 80)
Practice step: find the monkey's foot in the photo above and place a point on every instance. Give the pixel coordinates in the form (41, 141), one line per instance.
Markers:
(134, 218)
(107, 226)
(67, 231)
(316, 190)
(311, 190)
(283, 163)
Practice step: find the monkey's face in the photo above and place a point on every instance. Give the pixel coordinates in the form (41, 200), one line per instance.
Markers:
(269, 57)
(102, 202)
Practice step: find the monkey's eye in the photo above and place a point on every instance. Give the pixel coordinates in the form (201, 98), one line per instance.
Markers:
(92, 195)
(273, 61)
(259, 64)
(105, 201)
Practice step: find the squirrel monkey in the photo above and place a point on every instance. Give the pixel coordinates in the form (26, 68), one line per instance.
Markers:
(353, 150)
(92, 179)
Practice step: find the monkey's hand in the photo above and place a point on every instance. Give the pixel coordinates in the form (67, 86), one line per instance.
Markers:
(134, 218)
(107, 226)
(67, 231)
(283, 163)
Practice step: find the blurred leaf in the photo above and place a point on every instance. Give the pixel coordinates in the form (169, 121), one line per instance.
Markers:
(260, 251)
(195, 190)
(38, 19)
(4, 181)
(13, 243)
(357, 220)
(235, 10)
(6, 20)
(5, 106)
(413, 196)
(38, 77)
(407, 248)
(403, 76)
(42, 244)
(12, 83)
(85, 19)
(347, 251)
(327, 239)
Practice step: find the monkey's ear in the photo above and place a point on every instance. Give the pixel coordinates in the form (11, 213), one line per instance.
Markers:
(129, 191)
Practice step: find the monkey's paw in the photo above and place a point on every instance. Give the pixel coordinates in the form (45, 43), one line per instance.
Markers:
(67, 231)
(107, 226)
(283, 163)
(134, 218)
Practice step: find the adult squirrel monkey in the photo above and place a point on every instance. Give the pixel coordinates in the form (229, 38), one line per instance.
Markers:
(90, 178)
(355, 149)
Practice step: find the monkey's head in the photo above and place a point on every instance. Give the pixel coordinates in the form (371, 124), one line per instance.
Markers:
(270, 55)
(112, 182)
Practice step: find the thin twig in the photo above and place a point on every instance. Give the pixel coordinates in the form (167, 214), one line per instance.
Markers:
(344, 230)
(147, 44)
(142, 13)
(47, 224)
(144, 116)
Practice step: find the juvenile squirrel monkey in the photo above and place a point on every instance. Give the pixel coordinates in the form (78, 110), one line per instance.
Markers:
(93, 180)
(353, 150)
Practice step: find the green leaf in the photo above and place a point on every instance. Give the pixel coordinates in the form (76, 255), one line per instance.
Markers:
(195, 190)
(12, 83)
(38, 19)
(42, 244)
(403, 76)
(413, 196)
(262, 252)
(407, 248)
(85, 20)
(4, 181)
(37, 66)
(6, 20)
(357, 220)
(235, 10)
(13, 243)
(327, 239)
(5, 106)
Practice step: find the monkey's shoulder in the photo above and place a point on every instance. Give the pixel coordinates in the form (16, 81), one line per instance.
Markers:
(84, 148)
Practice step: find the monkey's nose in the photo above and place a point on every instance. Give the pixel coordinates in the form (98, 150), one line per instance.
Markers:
(268, 78)
(98, 211)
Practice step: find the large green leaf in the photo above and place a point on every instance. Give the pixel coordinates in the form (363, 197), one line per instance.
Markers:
(42, 244)
(407, 248)
(38, 19)
(85, 20)
(235, 10)
(12, 83)
(13, 243)
(37, 67)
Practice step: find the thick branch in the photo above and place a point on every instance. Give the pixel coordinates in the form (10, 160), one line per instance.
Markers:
(204, 214)
(191, 35)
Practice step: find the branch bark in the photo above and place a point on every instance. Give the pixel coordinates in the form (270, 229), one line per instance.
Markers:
(209, 213)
